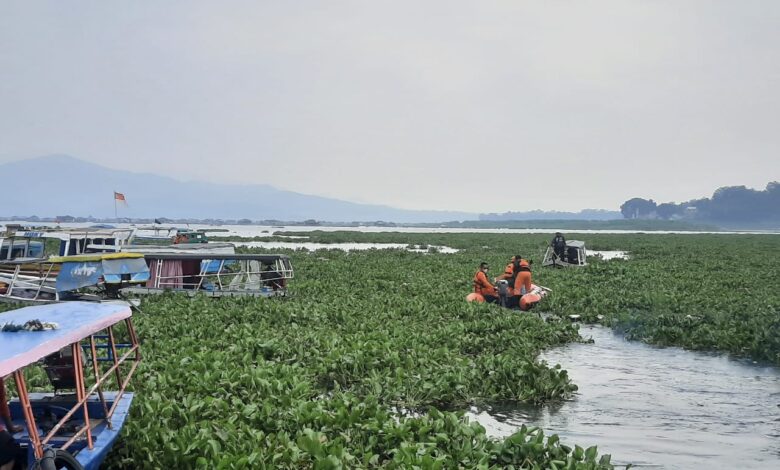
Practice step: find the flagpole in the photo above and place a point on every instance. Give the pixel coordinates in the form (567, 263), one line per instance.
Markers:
(115, 215)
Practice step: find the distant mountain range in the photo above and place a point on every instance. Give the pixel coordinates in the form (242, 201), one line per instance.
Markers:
(63, 185)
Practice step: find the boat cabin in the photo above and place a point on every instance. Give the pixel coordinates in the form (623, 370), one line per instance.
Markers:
(216, 275)
(71, 241)
(89, 352)
(574, 254)
(92, 277)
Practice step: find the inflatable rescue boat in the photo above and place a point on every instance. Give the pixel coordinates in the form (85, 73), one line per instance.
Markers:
(527, 301)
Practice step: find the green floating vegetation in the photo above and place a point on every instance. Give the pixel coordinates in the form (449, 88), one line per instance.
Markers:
(715, 292)
(313, 381)
(371, 359)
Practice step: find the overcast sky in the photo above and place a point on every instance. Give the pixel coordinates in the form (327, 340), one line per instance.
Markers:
(477, 106)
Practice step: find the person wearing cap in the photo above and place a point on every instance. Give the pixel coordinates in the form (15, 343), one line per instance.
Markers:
(558, 245)
(482, 285)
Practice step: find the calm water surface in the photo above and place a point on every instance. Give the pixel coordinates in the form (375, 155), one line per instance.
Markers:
(342, 246)
(661, 408)
(264, 230)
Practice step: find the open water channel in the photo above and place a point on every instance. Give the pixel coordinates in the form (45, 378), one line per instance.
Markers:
(658, 407)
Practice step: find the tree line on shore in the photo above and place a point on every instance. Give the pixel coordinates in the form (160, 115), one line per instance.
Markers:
(728, 205)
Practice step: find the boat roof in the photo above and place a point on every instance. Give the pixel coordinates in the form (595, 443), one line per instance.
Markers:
(75, 321)
(73, 233)
(575, 243)
(93, 257)
(211, 256)
(23, 261)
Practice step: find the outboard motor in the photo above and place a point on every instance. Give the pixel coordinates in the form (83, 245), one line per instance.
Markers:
(502, 287)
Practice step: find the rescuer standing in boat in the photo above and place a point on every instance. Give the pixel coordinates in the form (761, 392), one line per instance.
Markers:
(482, 285)
(522, 282)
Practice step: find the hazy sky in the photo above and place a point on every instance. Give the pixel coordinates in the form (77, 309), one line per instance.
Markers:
(479, 106)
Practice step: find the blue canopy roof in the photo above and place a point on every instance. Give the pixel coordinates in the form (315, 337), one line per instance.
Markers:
(75, 321)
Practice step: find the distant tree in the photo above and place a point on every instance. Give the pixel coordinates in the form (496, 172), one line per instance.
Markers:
(244, 222)
(637, 208)
(728, 205)
(668, 210)
(736, 203)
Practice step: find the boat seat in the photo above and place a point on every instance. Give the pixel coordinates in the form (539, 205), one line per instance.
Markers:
(60, 371)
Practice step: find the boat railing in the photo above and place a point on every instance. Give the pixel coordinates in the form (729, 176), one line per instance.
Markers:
(84, 391)
(21, 283)
(223, 274)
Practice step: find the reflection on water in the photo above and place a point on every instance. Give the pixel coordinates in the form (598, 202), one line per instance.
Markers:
(650, 406)
(608, 255)
(346, 246)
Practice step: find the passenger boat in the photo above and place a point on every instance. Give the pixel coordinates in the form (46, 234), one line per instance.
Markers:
(527, 301)
(176, 235)
(215, 275)
(69, 241)
(574, 255)
(92, 277)
(75, 425)
(213, 269)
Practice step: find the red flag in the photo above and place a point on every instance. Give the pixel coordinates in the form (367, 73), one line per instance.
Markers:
(120, 197)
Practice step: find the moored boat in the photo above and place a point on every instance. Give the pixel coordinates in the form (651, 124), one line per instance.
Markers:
(82, 352)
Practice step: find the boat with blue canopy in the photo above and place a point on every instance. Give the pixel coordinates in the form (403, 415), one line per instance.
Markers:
(91, 277)
(84, 348)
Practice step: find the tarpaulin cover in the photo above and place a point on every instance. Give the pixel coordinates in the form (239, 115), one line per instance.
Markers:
(75, 275)
(135, 270)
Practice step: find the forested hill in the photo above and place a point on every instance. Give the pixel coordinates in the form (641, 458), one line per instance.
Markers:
(728, 206)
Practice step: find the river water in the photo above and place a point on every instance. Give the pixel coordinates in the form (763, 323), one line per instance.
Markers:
(345, 246)
(264, 230)
(658, 407)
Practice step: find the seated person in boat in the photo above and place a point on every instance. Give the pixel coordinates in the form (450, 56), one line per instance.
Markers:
(482, 286)
(509, 270)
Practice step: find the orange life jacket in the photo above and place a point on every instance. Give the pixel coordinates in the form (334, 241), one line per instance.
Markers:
(508, 272)
(523, 279)
(482, 286)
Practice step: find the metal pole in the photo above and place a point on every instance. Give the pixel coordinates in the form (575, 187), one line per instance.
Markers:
(24, 400)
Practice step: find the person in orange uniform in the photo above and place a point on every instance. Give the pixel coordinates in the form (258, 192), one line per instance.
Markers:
(482, 285)
(509, 271)
(523, 280)
(522, 283)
